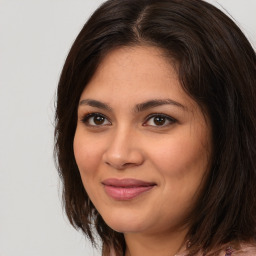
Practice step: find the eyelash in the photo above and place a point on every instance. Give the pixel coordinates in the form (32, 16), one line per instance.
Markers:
(170, 119)
(166, 118)
(86, 119)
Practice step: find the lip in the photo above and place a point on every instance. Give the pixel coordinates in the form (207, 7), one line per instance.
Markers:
(126, 189)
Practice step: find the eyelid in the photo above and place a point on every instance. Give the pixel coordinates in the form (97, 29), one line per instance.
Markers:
(169, 118)
(87, 116)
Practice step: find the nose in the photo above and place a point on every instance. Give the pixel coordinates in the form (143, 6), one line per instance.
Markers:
(123, 150)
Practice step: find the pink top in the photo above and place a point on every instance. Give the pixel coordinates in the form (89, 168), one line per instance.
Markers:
(244, 250)
(241, 250)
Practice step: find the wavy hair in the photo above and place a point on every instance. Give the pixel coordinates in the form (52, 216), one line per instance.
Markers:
(216, 67)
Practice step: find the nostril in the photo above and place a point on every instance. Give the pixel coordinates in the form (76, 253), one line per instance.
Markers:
(121, 166)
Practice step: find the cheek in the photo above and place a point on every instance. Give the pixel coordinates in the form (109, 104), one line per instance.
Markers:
(179, 156)
(182, 163)
(87, 154)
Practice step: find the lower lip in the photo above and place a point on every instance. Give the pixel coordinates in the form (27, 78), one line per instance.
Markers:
(128, 193)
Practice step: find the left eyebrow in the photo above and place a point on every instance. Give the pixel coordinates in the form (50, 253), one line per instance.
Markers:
(157, 102)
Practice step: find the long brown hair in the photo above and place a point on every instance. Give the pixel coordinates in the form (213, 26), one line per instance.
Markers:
(216, 67)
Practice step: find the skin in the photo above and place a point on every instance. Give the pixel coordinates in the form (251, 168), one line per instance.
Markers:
(129, 142)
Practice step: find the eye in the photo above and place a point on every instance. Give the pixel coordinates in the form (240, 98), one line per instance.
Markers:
(159, 120)
(95, 119)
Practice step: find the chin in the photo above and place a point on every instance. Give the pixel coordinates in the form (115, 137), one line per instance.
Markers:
(125, 227)
(125, 223)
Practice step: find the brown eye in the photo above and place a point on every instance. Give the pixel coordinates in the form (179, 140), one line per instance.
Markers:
(159, 120)
(95, 119)
(98, 120)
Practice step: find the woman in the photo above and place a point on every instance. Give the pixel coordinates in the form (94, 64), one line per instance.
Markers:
(156, 130)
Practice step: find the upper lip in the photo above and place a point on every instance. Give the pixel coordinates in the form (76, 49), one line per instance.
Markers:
(127, 183)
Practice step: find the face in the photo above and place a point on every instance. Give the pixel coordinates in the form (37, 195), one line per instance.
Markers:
(142, 145)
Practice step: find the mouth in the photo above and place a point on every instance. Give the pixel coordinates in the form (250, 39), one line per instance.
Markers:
(126, 189)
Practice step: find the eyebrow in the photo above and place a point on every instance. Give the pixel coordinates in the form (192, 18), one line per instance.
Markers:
(95, 103)
(138, 108)
(157, 102)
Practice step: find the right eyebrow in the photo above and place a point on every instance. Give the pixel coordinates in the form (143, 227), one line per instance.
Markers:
(95, 103)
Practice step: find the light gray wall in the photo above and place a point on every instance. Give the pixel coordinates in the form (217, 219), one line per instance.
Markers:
(35, 36)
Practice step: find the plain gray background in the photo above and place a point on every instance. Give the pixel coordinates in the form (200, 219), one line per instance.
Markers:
(35, 36)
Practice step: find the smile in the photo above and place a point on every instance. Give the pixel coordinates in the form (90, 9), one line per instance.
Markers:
(126, 189)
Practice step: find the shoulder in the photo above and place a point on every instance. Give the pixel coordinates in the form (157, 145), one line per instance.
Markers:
(231, 249)
(244, 249)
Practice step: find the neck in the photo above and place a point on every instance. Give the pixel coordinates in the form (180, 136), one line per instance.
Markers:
(164, 244)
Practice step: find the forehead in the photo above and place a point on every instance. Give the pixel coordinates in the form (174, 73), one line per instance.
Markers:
(135, 55)
(139, 70)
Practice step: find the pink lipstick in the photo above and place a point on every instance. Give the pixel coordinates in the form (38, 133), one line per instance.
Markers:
(126, 189)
